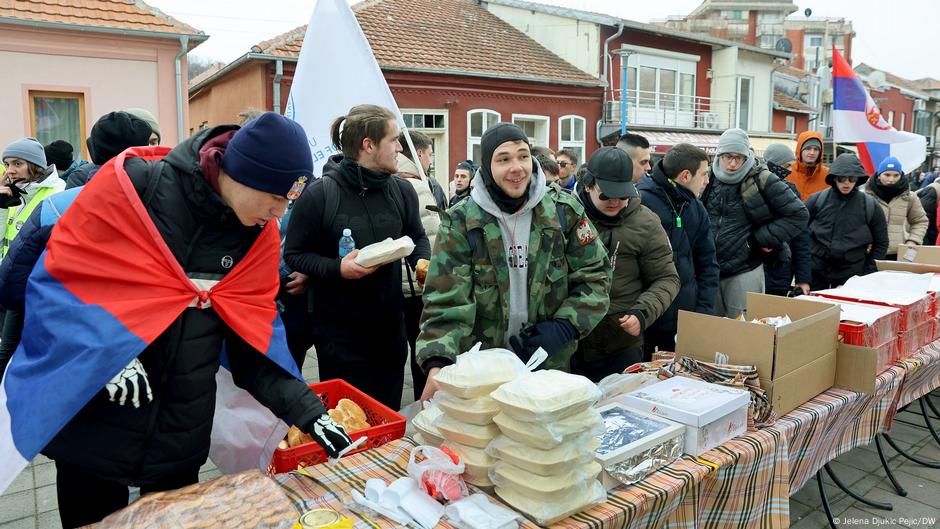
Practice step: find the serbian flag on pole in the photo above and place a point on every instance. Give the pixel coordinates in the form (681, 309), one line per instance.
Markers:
(857, 119)
(106, 286)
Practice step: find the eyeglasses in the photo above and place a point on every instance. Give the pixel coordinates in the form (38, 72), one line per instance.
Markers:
(563, 164)
(846, 179)
(728, 157)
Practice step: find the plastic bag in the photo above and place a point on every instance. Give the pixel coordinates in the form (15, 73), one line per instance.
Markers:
(547, 488)
(384, 252)
(546, 436)
(574, 451)
(469, 434)
(438, 473)
(548, 512)
(478, 512)
(476, 461)
(620, 383)
(479, 410)
(477, 372)
(546, 396)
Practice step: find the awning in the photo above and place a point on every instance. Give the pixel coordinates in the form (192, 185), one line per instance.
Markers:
(662, 141)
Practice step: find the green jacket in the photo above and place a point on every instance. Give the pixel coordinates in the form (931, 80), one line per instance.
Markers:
(645, 280)
(466, 297)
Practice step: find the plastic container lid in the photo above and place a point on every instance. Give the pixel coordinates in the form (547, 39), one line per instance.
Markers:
(548, 512)
(478, 410)
(467, 434)
(476, 461)
(546, 395)
(549, 488)
(347, 232)
(572, 452)
(546, 436)
(478, 373)
(424, 423)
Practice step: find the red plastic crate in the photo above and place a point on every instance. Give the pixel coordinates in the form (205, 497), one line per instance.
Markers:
(386, 425)
(888, 354)
(912, 315)
(909, 342)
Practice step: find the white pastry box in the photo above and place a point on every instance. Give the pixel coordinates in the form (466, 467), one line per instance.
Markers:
(635, 444)
(711, 413)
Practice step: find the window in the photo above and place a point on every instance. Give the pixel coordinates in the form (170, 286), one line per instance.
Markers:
(431, 120)
(58, 116)
(891, 117)
(903, 120)
(571, 135)
(477, 123)
(744, 102)
(737, 15)
(791, 124)
(535, 127)
(647, 87)
(686, 92)
(815, 41)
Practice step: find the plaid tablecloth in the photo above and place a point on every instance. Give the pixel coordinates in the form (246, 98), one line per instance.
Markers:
(922, 374)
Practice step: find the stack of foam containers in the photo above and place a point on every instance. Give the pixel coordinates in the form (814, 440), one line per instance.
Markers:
(466, 422)
(545, 464)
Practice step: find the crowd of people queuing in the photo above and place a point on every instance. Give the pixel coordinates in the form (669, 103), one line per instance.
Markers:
(590, 260)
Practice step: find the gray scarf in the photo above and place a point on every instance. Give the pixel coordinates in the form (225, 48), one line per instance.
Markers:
(736, 177)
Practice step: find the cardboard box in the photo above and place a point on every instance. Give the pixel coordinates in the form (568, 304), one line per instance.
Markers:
(711, 413)
(789, 391)
(774, 351)
(857, 368)
(928, 255)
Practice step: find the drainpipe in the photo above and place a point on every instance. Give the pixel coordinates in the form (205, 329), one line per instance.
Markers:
(276, 88)
(184, 48)
(607, 84)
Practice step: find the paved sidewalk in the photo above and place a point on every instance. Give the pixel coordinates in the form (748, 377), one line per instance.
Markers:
(30, 503)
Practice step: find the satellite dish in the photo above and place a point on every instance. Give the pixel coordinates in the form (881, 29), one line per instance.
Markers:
(877, 79)
(808, 12)
(783, 45)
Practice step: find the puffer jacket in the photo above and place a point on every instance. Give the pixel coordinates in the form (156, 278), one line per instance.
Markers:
(170, 435)
(906, 218)
(644, 283)
(770, 218)
(808, 180)
(693, 246)
(430, 219)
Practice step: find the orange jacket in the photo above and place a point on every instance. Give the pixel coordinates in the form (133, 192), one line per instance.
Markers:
(808, 181)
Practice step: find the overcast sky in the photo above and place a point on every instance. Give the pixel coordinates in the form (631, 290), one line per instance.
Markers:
(897, 36)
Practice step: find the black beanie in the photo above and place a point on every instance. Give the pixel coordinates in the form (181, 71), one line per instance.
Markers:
(494, 137)
(59, 153)
(114, 132)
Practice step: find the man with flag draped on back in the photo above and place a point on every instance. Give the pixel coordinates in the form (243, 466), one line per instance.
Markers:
(156, 264)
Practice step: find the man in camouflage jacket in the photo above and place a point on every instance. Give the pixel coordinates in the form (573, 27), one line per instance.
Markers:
(507, 271)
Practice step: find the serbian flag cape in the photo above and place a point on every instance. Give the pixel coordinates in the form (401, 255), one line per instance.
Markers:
(857, 119)
(106, 286)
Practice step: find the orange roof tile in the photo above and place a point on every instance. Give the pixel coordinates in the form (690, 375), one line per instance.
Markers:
(455, 36)
(116, 14)
(791, 71)
(785, 102)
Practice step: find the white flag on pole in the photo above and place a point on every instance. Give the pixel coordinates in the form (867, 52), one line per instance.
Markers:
(335, 72)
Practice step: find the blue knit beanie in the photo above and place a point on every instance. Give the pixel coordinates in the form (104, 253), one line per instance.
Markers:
(28, 149)
(890, 164)
(270, 154)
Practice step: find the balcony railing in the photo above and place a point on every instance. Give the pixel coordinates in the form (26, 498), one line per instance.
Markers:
(660, 109)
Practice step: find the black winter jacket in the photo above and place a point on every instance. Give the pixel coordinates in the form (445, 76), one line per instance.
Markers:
(346, 307)
(773, 216)
(693, 247)
(81, 175)
(928, 199)
(798, 262)
(842, 234)
(170, 435)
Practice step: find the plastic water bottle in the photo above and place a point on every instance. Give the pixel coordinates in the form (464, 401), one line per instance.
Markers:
(346, 243)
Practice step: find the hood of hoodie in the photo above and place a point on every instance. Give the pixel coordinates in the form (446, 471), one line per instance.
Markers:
(847, 165)
(801, 167)
(481, 195)
(185, 158)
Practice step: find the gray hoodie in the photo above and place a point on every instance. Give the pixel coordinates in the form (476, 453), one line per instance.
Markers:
(515, 231)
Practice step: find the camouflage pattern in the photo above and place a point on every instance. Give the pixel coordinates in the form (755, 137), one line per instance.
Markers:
(466, 296)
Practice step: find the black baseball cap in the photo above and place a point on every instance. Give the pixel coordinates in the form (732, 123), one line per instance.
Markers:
(613, 170)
